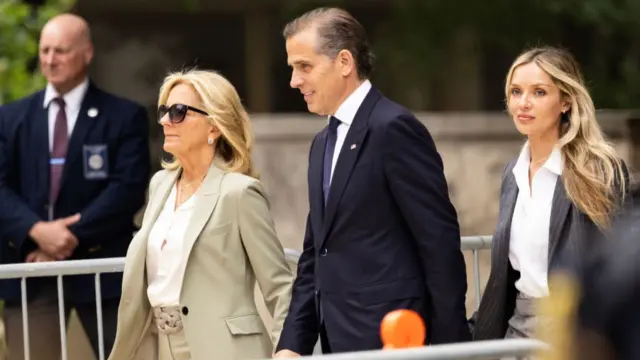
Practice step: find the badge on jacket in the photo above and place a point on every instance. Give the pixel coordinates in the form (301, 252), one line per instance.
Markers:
(96, 162)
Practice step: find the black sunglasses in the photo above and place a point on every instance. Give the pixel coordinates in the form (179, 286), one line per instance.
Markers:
(177, 112)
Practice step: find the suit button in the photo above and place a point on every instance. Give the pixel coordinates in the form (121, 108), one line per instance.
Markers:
(185, 310)
(323, 252)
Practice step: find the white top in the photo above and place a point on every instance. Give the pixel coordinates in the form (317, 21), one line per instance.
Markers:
(166, 262)
(529, 242)
(73, 102)
(346, 113)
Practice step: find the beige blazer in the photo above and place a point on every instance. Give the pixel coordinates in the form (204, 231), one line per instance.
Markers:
(231, 242)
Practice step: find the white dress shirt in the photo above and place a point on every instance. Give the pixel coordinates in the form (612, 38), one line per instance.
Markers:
(73, 102)
(529, 242)
(166, 262)
(346, 113)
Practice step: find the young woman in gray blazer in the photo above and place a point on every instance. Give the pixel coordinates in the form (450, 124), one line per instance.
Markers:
(557, 198)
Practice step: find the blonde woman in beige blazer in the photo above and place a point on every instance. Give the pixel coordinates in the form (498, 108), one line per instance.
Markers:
(206, 237)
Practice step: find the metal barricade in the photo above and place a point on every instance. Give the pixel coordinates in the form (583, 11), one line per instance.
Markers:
(475, 244)
(59, 269)
(97, 267)
(476, 350)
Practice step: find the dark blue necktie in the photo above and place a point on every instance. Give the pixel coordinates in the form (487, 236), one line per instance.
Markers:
(332, 136)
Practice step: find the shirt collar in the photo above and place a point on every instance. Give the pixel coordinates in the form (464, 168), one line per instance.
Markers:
(72, 99)
(348, 109)
(554, 163)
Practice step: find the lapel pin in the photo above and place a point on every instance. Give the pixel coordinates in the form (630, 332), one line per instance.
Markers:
(93, 112)
(353, 146)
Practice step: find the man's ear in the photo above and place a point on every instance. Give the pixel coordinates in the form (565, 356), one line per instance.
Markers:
(346, 61)
(88, 54)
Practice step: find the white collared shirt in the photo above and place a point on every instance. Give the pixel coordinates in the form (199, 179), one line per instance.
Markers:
(166, 264)
(73, 102)
(346, 113)
(529, 242)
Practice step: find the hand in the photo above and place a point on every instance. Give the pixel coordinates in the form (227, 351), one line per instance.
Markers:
(284, 353)
(39, 256)
(54, 237)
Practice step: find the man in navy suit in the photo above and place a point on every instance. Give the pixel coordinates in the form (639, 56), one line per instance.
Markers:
(381, 232)
(74, 166)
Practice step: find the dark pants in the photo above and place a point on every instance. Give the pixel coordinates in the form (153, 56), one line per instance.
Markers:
(324, 340)
(44, 325)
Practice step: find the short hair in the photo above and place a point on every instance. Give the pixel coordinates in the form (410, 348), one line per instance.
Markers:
(225, 110)
(337, 30)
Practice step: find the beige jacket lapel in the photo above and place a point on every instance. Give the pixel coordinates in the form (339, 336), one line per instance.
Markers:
(157, 200)
(206, 200)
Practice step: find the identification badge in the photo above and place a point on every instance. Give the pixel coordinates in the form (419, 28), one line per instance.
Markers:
(95, 161)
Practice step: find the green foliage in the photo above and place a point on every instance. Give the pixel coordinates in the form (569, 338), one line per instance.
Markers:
(604, 35)
(20, 26)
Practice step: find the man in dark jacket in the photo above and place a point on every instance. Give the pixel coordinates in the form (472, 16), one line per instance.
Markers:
(74, 166)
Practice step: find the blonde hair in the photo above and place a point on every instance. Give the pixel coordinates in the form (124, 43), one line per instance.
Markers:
(222, 103)
(593, 175)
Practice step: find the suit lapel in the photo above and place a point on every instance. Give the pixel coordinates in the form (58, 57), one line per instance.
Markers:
(136, 277)
(347, 159)
(316, 201)
(84, 123)
(40, 143)
(503, 238)
(206, 200)
(559, 211)
(155, 204)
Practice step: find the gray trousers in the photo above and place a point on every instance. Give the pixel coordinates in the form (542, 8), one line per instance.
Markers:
(526, 320)
(44, 325)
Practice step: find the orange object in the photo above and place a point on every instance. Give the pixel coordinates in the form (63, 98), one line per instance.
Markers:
(402, 329)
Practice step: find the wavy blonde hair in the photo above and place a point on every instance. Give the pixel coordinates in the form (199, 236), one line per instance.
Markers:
(594, 176)
(221, 101)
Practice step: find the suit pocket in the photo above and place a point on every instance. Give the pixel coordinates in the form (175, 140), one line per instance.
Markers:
(245, 325)
(391, 291)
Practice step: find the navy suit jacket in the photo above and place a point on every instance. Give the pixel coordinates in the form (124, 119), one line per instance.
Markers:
(388, 238)
(107, 205)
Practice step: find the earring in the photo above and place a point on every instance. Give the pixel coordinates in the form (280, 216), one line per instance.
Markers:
(210, 141)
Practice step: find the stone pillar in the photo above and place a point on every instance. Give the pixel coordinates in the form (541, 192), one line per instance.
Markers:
(258, 59)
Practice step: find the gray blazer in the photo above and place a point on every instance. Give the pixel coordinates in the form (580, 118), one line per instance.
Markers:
(571, 234)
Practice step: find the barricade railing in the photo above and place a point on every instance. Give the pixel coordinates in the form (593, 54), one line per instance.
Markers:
(476, 350)
(59, 269)
(475, 244)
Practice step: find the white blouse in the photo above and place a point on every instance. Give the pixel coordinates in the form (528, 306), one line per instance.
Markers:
(166, 263)
(529, 241)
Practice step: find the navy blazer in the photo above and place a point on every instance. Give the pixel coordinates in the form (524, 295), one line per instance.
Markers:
(107, 203)
(388, 239)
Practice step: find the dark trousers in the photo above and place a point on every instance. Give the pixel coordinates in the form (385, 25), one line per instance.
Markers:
(324, 340)
(44, 325)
